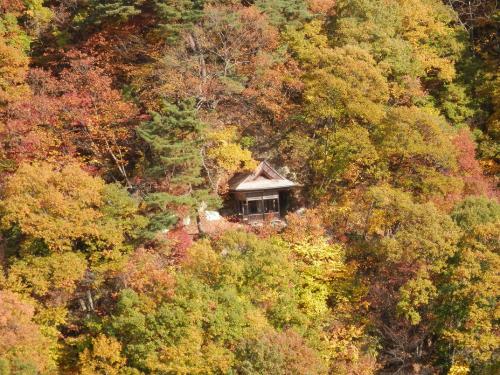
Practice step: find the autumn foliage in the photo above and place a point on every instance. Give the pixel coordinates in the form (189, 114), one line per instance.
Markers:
(122, 123)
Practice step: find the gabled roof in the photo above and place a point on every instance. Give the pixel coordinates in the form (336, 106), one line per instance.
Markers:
(265, 177)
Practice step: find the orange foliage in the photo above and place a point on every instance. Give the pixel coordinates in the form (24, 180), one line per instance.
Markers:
(118, 49)
(476, 183)
(322, 6)
(267, 229)
(180, 241)
(12, 6)
(289, 352)
(274, 87)
(305, 226)
(226, 62)
(77, 113)
(147, 272)
(20, 338)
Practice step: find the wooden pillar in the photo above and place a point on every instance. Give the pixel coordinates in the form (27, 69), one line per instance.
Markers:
(262, 206)
(278, 199)
(247, 208)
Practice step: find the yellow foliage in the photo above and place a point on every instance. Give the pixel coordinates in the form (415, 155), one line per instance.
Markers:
(224, 156)
(226, 153)
(321, 264)
(56, 206)
(340, 82)
(428, 27)
(104, 358)
(13, 72)
(458, 369)
(192, 356)
(231, 157)
(40, 276)
(346, 353)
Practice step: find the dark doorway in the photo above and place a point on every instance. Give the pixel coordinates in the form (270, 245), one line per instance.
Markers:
(284, 202)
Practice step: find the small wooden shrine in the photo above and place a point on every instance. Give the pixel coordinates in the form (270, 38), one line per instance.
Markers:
(261, 195)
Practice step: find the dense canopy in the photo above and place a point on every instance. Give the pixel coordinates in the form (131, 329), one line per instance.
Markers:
(122, 122)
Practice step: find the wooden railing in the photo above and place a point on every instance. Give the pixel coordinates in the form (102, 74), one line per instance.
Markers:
(260, 217)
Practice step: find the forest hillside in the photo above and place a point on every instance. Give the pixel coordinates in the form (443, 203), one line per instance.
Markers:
(122, 123)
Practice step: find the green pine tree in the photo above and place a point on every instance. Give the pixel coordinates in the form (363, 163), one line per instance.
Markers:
(177, 15)
(173, 163)
(114, 10)
(172, 16)
(284, 12)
